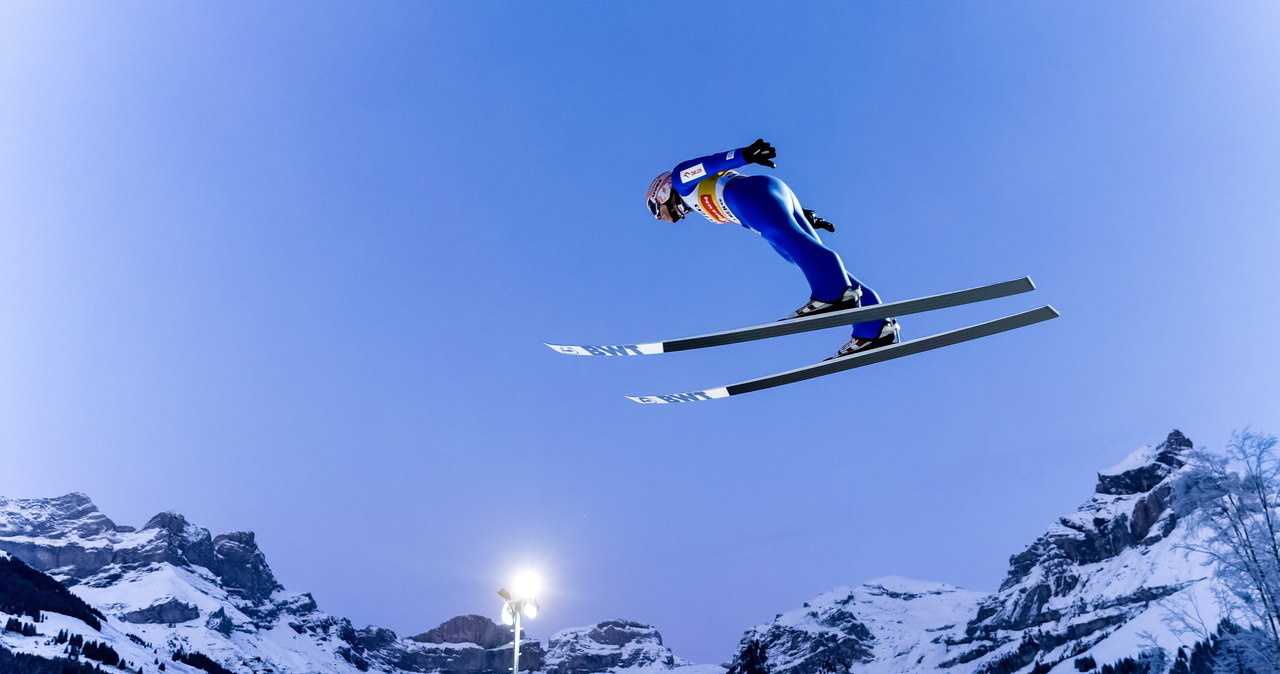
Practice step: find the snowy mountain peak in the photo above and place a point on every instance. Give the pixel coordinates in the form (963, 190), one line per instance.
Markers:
(467, 629)
(1090, 585)
(69, 516)
(69, 538)
(1145, 468)
(877, 624)
(171, 588)
(608, 646)
(171, 522)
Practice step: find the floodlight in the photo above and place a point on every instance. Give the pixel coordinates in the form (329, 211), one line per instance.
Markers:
(508, 614)
(530, 608)
(527, 586)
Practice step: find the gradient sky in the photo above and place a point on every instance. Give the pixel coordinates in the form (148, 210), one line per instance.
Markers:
(287, 267)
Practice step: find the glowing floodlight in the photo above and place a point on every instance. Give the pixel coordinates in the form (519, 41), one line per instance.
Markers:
(530, 608)
(527, 586)
(508, 614)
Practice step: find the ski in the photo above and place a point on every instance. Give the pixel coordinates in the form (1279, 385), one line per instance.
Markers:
(808, 323)
(878, 355)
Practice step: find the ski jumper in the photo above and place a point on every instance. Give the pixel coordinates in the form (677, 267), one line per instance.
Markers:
(768, 207)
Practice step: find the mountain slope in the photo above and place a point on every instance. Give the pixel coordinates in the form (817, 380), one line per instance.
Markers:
(1096, 584)
(1096, 587)
(171, 587)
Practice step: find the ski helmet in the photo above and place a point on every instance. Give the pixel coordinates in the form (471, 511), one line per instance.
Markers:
(659, 199)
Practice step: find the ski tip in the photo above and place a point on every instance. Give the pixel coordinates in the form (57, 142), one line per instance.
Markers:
(691, 397)
(565, 348)
(1030, 282)
(607, 349)
(560, 348)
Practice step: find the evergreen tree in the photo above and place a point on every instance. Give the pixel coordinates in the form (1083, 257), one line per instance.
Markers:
(25, 591)
(1180, 664)
(23, 663)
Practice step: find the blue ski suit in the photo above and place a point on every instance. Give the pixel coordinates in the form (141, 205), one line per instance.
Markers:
(765, 205)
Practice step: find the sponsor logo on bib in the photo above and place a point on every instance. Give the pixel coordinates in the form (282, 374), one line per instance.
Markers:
(711, 208)
(693, 173)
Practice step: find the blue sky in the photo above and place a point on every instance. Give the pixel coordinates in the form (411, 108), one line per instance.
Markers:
(287, 268)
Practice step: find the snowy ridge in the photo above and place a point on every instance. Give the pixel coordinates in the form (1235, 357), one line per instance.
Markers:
(173, 586)
(608, 646)
(1098, 583)
(70, 516)
(1097, 579)
(884, 625)
(1141, 457)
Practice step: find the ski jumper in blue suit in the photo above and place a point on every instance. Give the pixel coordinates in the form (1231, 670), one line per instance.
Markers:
(768, 207)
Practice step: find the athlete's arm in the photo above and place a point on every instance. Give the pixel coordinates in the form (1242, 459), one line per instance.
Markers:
(686, 174)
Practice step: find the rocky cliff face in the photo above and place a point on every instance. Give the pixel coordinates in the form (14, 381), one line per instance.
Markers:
(890, 620)
(1095, 569)
(610, 645)
(70, 539)
(462, 645)
(172, 586)
(1087, 586)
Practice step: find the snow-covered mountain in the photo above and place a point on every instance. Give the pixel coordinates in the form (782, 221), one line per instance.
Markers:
(173, 588)
(1095, 587)
(608, 646)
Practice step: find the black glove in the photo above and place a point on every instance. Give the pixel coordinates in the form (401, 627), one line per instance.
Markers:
(760, 152)
(817, 221)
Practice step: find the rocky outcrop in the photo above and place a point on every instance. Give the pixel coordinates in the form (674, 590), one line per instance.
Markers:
(889, 618)
(169, 612)
(71, 540)
(1129, 511)
(1166, 458)
(60, 518)
(1082, 585)
(464, 645)
(242, 567)
(467, 629)
(609, 645)
(844, 641)
(173, 540)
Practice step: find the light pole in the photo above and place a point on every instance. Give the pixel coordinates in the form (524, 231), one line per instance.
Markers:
(513, 606)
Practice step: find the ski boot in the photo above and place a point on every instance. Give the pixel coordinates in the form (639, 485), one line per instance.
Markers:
(888, 335)
(850, 299)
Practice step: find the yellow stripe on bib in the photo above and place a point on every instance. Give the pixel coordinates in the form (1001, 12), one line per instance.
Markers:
(710, 194)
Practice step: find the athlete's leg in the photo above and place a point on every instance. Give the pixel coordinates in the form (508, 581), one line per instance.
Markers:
(766, 205)
(869, 329)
